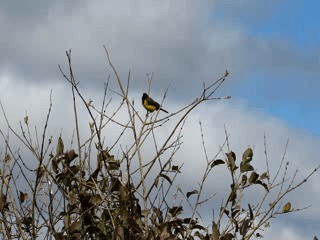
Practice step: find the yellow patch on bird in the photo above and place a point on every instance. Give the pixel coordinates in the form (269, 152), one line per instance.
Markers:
(149, 107)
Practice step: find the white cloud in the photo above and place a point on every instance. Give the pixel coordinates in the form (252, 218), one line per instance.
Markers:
(245, 126)
(177, 41)
(183, 42)
(282, 230)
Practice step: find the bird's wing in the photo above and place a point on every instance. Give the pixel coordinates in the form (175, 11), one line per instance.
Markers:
(153, 103)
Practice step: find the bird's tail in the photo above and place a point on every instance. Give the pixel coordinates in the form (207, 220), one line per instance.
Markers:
(164, 110)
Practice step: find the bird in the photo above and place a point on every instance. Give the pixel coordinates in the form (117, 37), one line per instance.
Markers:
(150, 105)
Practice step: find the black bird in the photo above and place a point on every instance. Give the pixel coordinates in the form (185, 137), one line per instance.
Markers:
(150, 105)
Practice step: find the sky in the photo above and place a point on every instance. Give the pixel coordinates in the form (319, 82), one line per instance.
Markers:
(271, 49)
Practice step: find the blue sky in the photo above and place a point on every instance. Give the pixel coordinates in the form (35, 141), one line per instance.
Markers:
(271, 49)
(292, 94)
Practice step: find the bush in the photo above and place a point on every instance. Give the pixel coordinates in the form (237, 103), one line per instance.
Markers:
(71, 198)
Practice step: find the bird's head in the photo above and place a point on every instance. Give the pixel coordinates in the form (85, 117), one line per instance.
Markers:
(144, 96)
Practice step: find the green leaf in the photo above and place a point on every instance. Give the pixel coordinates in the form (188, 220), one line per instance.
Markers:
(113, 165)
(75, 227)
(72, 155)
(217, 162)
(60, 146)
(66, 220)
(245, 167)
(95, 199)
(72, 197)
(102, 227)
(247, 155)
(145, 212)
(253, 177)
(215, 231)
(123, 193)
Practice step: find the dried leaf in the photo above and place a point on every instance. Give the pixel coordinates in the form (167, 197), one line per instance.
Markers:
(198, 234)
(3, 201)
(264, 176)
(263, 185)
(23, 196)
(174, 211)
(91, 126)
(231, 161)
(197, 226)
(189, 221)
(76, 236)
(55, 165)
(234, 212)
(166, 177)
(158, 213)
(245, 227)
(156, 181)
(228, 236)
(26, 221)
(26, 120)
(192, 192)
(40, 171)
(258, 235)
(175, 168)
(217, 162)
(7, 158)
(244, 179)
(251, 212)
(231, 155)
(233, 197)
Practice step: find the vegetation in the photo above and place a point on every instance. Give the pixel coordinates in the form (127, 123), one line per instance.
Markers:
(87, 192)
